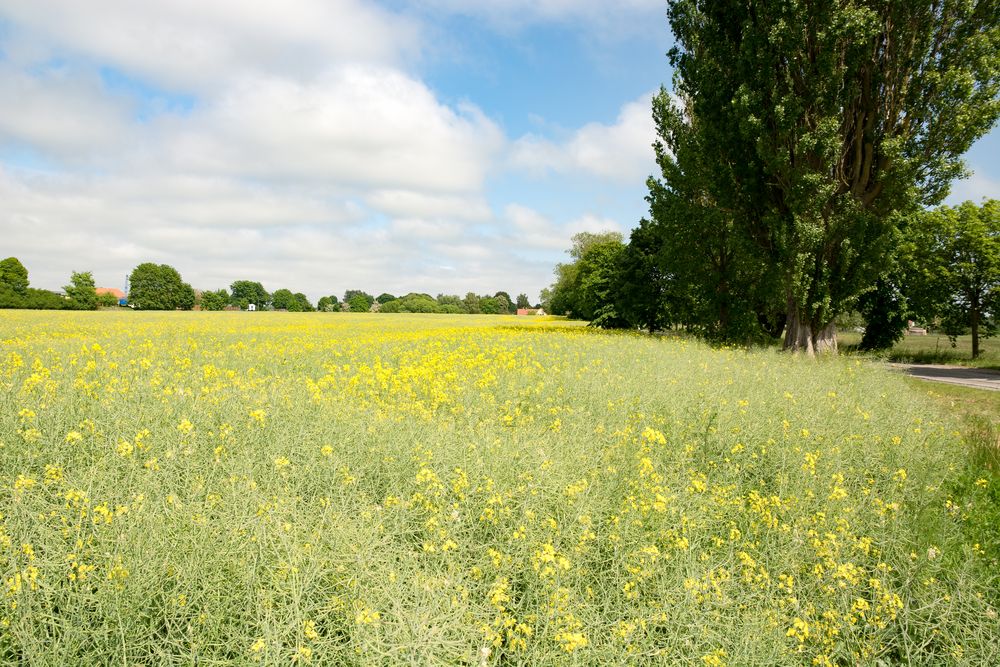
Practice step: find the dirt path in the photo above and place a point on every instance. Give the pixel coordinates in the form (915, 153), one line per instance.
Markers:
(977, 378)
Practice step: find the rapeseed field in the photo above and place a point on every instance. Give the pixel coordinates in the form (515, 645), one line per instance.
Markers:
(275, 489)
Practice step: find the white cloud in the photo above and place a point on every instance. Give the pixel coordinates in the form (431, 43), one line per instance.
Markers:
(532, 231)
(354, 125)
(62, 112)
(975, 188)
(311, 158)
(429, 205)
(194, 45)
(621, 152)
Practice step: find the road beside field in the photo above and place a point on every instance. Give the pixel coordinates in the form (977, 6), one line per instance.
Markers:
(976, 378)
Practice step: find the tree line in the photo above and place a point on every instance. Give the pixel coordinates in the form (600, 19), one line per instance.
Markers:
(801, 155)
(943, 269)
(16, 290)
(161, 287)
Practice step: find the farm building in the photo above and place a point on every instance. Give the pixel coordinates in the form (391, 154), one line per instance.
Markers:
(114, 291)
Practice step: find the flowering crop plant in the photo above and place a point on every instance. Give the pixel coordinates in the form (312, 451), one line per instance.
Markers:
(276, 488)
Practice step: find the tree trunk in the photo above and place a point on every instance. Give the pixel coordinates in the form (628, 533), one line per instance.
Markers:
(974, 322)
(801, 337)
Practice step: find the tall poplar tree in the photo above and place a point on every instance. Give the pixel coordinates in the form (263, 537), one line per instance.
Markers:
(819, 123)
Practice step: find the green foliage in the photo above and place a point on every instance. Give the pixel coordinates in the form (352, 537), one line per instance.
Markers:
(451, 300)
(505, 302)
(159, 287)
(586, 285)
(82, 291)
(327, 304)
(596, 277)
(471, 304)
(385, 297)
(808, 125)
(14, 276)
(953, 257)
(245, 292)
(359, 302)
(711, 277)
(885, 310)
(282, 299)
(522, 301)
(642, 293)
(107, 300)
(489, 305)
(300, 303)
(33, 299)
(187, 297)
(411, 303)
(214, 300)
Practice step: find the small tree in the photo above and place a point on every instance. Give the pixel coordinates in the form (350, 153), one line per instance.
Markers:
(81, 291)
(186, 298)
(355, 304)
(282, 299)
(14, 276)
(596, 280)
(107, 300)
(246, 292)
(359, 302)
(954, 261)
(505, 301)
(328, 304)
(300, 303)
(214, 300)
(489, 305)
(159, 287)
(471, 303)
(522, 301)
(451, 301)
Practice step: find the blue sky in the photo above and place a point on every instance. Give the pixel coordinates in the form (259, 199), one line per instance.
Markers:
(325, 145)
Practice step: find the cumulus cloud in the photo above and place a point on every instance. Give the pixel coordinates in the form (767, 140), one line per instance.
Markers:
(429, 205)
(621, 151)
(192, 45)
(534, 231)
(355, 124)
(63, 112)
(310, 155)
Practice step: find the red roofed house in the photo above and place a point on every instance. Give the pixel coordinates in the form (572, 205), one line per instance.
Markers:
(114, 291)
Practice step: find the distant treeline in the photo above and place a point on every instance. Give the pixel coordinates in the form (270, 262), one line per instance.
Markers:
(245, 293)
(160, 287)
(15, 291)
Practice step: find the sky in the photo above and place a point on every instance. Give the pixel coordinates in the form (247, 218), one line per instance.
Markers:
(438, 146)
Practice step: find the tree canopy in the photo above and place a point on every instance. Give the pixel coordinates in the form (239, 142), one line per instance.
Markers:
(82, 291)
(584, 288)
(245, 292)
(159, 287)
(952, 256)
(799, 132)
(14, 276)
(214, 299)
